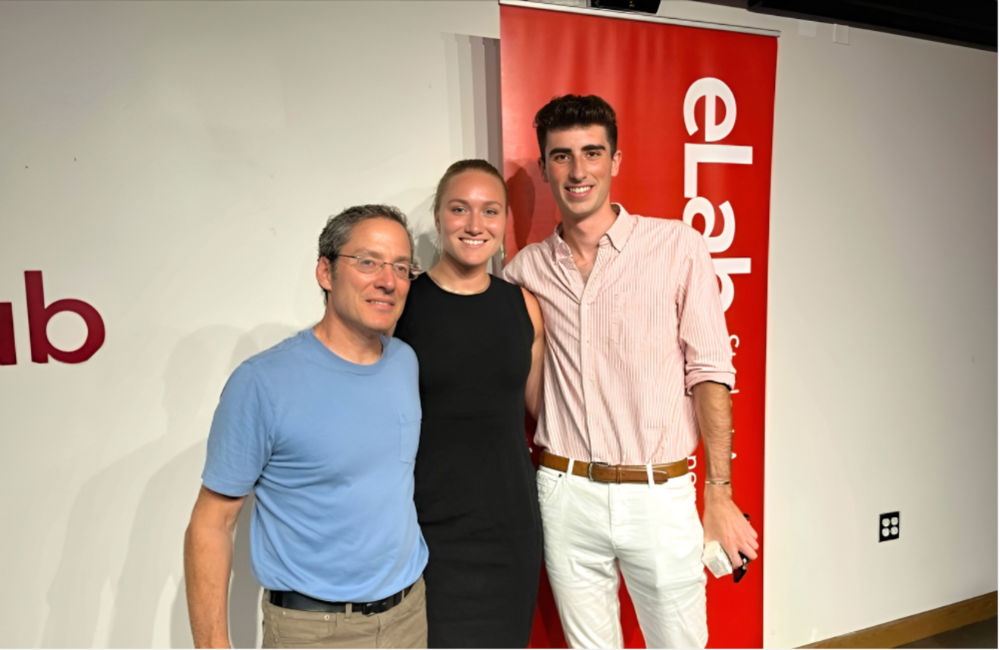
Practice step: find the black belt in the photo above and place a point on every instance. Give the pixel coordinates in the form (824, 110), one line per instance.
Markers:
(301, 602)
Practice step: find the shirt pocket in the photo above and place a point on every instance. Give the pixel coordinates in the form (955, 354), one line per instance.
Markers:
(640, 322)
(409, 437)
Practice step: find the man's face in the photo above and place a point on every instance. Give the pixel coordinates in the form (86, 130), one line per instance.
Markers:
(578, 166)
(368, 304)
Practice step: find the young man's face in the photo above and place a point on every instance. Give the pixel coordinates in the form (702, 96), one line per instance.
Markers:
(578, 166)
(368, 304)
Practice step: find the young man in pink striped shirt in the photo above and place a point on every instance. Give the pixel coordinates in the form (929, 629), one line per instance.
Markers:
(637, 366)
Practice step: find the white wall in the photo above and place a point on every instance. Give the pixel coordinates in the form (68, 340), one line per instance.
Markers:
(173, 163)
(882, 315)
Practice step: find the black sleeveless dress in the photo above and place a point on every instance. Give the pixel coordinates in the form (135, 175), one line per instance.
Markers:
(475, 485)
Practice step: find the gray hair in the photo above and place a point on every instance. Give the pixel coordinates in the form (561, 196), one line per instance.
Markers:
(340, 227)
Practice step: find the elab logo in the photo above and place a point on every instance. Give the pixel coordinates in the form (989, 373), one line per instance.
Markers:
(39, 315)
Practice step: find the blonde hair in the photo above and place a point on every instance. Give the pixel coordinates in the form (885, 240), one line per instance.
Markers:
(462, 166)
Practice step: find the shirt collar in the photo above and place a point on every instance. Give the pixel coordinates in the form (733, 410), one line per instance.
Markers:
(619, 231)
(617, 234)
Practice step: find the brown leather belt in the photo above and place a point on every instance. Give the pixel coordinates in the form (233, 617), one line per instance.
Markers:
(605, 473)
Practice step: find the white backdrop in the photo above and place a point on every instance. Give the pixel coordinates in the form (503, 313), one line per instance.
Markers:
(173, 163)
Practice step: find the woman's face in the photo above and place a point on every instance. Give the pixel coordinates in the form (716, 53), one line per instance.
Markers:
(472, 217)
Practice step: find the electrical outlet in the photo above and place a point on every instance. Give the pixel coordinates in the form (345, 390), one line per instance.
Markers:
(888, 526)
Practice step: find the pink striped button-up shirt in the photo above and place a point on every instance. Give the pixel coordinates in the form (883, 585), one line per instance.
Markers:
(623, 350)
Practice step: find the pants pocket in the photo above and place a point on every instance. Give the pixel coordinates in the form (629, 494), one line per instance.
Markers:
(284, 628)
(680, 529)
(549, 481)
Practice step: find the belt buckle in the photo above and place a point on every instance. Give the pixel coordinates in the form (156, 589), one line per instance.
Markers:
(590, 471)
(367, 609)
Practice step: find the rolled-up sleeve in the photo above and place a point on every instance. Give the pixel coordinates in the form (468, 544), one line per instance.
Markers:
(704, 338)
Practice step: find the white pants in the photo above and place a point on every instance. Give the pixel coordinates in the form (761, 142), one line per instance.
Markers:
(650, 532)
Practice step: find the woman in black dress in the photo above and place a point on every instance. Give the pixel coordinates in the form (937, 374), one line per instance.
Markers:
(479, 342)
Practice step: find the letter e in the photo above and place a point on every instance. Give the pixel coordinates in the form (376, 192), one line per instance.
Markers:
(710, 88)
(38, 320)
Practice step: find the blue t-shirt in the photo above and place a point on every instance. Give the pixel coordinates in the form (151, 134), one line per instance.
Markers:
(328, 448)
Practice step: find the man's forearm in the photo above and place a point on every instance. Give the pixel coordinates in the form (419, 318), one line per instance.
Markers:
(723, 520)
(208, 560)
(714, 410)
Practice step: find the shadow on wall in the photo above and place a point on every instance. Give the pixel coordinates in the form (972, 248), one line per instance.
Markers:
(427, 253)
(472, 65)
(416, 203)
(93, 602)
(472, 68)
(522, 204)
(119, 582)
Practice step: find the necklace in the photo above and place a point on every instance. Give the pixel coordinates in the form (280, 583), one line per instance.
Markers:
(457, 292)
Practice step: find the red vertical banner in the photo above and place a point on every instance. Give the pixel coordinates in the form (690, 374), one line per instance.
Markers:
(695, 110)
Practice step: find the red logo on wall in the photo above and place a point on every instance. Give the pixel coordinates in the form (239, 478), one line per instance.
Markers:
(39, 315)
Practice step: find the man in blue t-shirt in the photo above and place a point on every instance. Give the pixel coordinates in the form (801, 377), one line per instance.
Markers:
(323, 429)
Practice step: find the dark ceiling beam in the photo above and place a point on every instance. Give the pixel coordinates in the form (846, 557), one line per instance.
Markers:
(972, 23)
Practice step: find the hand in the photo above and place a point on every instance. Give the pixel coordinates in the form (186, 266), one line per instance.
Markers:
(724, 522)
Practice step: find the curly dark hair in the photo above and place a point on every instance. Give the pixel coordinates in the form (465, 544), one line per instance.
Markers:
(571, 111)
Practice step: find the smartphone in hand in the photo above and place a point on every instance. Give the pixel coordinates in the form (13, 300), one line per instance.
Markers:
(740, 571)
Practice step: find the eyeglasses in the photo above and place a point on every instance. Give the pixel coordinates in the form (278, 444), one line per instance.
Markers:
(371, 265)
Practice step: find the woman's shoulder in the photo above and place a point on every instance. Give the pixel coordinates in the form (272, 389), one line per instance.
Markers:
(420, 286)
(519, 298)
(504, 285)
(514, 290)
(414, 308)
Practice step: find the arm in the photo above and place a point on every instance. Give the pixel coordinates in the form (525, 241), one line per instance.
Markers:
(208, 561)
(723, 520)
(533, 389)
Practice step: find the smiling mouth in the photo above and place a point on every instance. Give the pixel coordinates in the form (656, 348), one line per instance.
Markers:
(381, 303)
(580, 191)
(475, 243)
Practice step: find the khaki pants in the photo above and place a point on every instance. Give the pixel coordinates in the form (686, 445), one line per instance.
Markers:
(403, 626)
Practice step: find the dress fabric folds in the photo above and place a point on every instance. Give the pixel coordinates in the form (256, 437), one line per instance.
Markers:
(476, 494)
